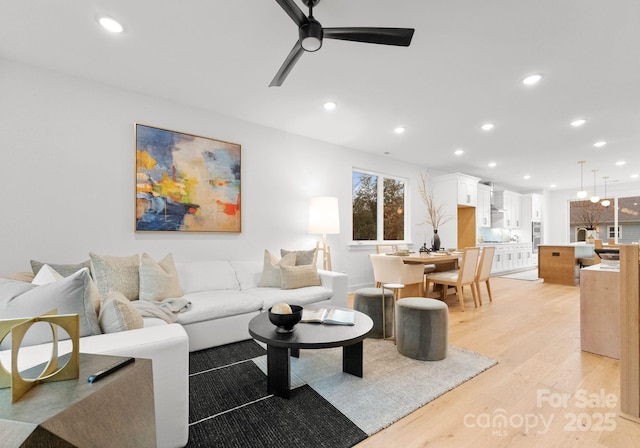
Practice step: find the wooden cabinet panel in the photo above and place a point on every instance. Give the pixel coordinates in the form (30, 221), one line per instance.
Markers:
(557, 264)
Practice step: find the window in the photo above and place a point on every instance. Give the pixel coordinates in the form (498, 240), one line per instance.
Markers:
(624, 212)
(378, 207)
(611, 230)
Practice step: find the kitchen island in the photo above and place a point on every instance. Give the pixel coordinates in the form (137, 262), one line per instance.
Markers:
(559, 263)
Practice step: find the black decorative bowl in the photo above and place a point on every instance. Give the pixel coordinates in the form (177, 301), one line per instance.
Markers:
(285, 322)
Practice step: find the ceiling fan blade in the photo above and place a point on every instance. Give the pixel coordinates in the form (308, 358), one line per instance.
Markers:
(294, 12)
(386, 36)
(288, 64)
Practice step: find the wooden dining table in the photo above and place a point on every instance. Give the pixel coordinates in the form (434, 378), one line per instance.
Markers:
(443, 261)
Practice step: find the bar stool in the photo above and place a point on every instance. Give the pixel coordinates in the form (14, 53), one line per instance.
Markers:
(395, 287)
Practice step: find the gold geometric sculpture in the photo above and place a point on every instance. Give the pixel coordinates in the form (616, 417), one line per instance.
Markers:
(18, 328)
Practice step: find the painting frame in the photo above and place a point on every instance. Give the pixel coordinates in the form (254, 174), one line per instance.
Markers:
(186, 182)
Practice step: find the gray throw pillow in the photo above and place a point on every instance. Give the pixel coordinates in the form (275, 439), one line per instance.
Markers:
(76, 294)
(116, 274)
(303, 257)
(63, 269)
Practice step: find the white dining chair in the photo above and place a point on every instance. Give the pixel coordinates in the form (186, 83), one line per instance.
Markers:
(390, 269)
(385, 249)
(483, 273)
(465, 276)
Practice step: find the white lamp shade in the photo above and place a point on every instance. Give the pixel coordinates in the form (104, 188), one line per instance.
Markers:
(323, 216)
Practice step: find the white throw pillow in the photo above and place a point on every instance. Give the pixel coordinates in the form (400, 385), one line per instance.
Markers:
(158, 280)
(76, 294)
(117, 314)
(271, 277)
(46, 275)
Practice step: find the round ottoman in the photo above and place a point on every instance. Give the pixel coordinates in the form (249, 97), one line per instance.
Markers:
(422, 328)
(369, 302)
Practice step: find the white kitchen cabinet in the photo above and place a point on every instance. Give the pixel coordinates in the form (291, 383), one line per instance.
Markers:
(467, 191)
(509, 203)
(511, 256)
(516, 217)
(536, 207)
(483, 207)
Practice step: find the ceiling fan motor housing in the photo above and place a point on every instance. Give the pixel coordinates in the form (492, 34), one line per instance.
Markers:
(310, 35)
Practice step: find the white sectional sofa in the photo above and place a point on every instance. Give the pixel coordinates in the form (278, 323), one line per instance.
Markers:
(224, 297)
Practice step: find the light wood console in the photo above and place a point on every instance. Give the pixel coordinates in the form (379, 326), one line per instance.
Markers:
(630, 332)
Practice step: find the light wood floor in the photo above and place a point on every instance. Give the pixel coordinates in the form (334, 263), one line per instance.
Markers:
(533, 330)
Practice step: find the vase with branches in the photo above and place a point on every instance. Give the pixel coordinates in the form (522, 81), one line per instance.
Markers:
(435, 214)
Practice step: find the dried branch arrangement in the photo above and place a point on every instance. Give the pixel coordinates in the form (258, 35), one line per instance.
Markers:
(435, 215)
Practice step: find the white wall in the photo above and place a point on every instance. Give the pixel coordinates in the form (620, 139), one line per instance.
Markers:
(68, 163)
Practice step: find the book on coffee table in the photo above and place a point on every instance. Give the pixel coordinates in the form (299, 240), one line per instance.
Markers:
(329, 316)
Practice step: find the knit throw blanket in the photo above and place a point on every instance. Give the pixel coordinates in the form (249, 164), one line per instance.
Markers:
(164, 309)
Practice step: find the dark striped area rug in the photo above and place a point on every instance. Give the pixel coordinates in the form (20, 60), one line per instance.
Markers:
(229, 406)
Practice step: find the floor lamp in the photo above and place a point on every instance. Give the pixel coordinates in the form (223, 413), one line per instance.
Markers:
(324, 219)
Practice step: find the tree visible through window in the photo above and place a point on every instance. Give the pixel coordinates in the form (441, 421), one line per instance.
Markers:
(378, 207)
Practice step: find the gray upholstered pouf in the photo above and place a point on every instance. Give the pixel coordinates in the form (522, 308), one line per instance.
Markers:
(422, 328)
(369, 302)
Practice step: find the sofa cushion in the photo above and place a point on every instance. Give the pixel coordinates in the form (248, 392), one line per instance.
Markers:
(116, 274)
(158, 279)
(206, 276)
(117, 313)
(302, 296)
(248, 273)
(63, 269)
(76, 294)
(303, 257)
(271, 276)
(209, 305)
(294, 277)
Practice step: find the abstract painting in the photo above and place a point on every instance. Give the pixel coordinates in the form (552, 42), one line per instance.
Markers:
(185, 182)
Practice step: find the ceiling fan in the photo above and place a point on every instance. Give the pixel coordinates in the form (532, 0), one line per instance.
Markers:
(311, 33)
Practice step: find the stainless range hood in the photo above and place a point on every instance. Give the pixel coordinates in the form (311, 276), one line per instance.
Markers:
(494, 208)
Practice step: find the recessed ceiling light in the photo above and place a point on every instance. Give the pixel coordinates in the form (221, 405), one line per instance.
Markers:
(492, 164)
(526, 176)
(579, 122)
(330, 105)
(110, 24)
(620, 162)
(487, 126)
(532, 79)
(600, 144)
(552, 186)
(459, 152)
(399, 130)
(635, 176)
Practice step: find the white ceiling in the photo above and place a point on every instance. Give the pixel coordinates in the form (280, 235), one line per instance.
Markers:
(463, 68)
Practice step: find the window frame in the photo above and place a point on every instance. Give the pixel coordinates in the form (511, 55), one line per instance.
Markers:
(380, 208)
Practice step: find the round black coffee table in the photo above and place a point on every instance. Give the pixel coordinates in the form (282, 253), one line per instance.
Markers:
(308, 336)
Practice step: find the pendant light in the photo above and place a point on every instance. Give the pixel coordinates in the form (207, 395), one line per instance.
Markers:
(605, 202)
(595, 198)
(582, 193)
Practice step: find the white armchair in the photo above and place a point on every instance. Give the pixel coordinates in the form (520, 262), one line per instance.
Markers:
(391, 269)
